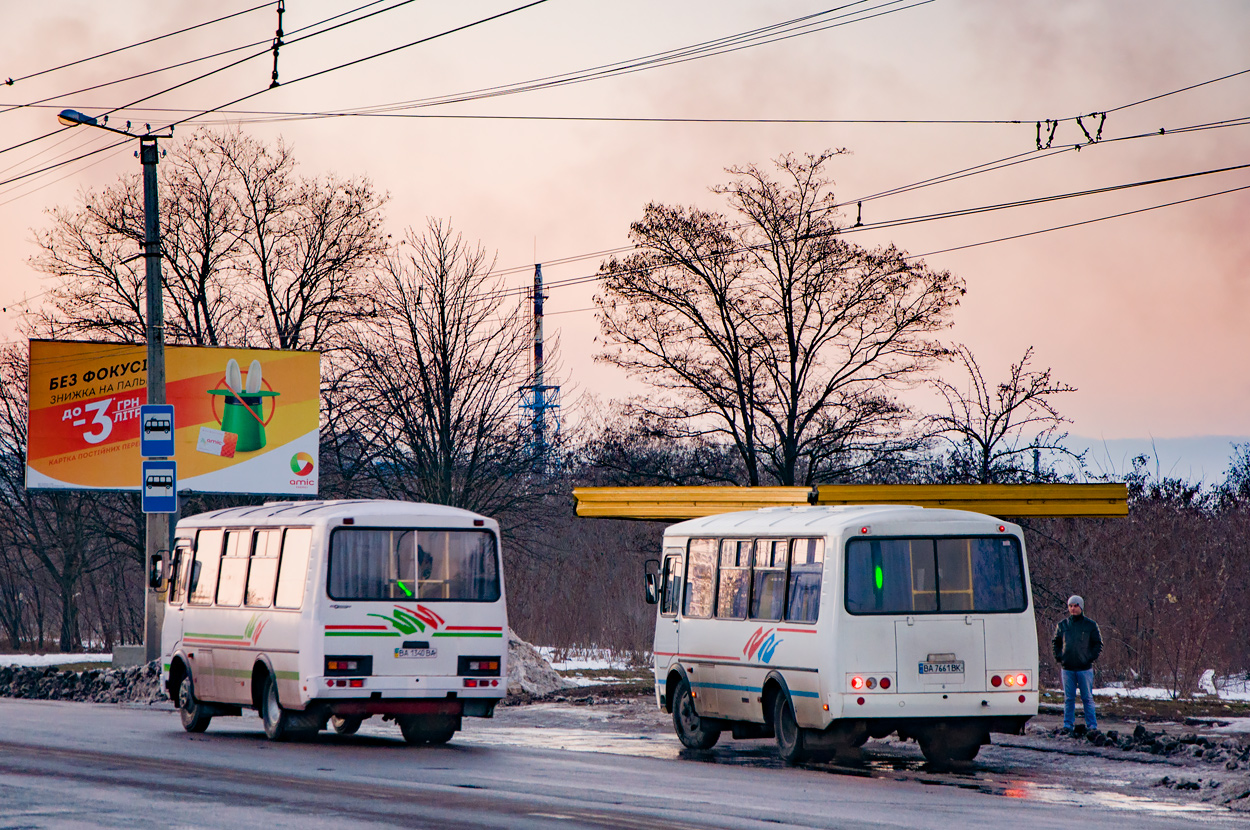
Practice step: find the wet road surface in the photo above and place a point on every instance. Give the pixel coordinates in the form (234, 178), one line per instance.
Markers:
(548, 765)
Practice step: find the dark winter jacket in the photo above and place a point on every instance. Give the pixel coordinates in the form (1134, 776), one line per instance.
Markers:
(1078, 642)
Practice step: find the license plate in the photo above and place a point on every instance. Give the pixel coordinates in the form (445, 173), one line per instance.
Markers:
(416, 653)
(948, 667)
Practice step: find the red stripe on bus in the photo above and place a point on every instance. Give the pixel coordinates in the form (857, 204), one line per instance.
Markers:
(710, 656)
(356, 627)
(799, 630)
(475, 628)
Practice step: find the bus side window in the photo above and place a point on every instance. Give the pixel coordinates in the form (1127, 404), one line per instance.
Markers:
(807, 562)
(262, 574)
(700, 578)
(233, 573)
(768, 593)
(203, 581)
(671, 585)
(734, 585)
(293, 570)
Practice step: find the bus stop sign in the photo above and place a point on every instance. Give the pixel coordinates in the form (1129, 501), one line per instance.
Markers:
(156, 431)
(160, 487)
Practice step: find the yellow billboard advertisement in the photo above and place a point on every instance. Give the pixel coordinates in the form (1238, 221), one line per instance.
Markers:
(245, 420)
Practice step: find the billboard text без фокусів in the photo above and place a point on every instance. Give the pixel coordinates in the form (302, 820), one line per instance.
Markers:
(245, 420)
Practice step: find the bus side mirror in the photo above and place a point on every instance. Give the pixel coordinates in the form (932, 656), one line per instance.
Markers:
(156, 577)
(651, 575)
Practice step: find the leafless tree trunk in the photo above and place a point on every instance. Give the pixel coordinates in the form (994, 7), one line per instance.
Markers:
(993, 430)
(253, 255)
(438, 372)
(774, 334)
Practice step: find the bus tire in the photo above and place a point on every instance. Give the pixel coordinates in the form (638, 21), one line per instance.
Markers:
(191, 711)
(277, 720)
(693, 731)
(791, 738)
(943, 746)
(346, 724)
(428, 729)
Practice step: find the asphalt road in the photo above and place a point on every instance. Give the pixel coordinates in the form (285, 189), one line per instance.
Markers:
(71, 765)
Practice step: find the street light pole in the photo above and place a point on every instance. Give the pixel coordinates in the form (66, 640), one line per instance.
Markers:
(157, 536)
(157, 529)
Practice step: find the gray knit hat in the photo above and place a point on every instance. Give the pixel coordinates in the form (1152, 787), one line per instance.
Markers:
(1075, 600)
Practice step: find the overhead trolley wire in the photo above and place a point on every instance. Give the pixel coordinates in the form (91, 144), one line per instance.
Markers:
(12, 81)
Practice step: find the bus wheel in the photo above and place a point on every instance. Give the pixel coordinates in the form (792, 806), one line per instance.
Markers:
(346, 725)
(791, 743)
(190, 710)
(276, 719)
(693, 731)
(428, 729)
(943, 746)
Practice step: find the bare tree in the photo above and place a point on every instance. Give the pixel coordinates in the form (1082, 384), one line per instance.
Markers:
(775, 334)
(437, 377)
(252, 253)
(995, 431)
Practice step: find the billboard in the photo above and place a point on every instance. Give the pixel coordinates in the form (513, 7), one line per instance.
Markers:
(245, 420)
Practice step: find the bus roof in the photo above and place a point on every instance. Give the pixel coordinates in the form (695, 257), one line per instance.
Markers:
(822, 519)
(315, 512)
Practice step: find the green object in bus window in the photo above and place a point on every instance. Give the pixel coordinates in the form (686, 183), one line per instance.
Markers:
(880, 577)
(404, 587)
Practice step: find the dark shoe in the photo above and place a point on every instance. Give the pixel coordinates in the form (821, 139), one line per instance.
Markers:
(1064, 731)
(1079, 730)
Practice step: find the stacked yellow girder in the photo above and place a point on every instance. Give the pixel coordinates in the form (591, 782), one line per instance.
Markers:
(1008, 500)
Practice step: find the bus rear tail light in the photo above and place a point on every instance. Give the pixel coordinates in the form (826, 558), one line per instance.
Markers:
(861, 682)
(1013, 680)
(473, 683)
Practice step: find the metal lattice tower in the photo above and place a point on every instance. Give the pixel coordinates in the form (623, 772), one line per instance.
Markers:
(539, 401)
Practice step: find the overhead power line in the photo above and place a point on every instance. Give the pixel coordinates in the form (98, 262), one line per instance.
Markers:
(184, 30)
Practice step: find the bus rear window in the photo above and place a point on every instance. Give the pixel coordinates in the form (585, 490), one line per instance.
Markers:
(935, 575)
(460, 565)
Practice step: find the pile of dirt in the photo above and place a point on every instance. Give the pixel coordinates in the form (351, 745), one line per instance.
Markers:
(1227, 752)
(529, 676)
(137, 684)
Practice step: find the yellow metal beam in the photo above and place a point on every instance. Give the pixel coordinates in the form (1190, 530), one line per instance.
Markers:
(994, 499)
(677, 503)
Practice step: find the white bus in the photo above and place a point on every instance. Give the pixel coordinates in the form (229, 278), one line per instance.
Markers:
(825, 626)
(330, 612)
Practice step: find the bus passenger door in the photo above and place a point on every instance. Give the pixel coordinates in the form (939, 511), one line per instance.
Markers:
(667, 623)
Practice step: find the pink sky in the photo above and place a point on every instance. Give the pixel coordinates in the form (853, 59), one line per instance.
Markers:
(1146, 314)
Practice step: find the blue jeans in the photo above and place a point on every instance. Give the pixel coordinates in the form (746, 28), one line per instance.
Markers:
(1085, 680)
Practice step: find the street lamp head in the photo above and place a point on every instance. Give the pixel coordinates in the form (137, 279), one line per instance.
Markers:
(72, 118)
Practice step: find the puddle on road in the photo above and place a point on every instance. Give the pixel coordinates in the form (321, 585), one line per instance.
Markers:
(879, 762)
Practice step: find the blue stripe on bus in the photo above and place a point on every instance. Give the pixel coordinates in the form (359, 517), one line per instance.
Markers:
(755, 689)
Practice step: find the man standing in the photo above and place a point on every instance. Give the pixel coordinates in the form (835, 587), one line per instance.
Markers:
(1077, 644)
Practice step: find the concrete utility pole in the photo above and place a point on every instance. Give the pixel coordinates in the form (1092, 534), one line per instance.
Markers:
(157, 537)
(157, 523)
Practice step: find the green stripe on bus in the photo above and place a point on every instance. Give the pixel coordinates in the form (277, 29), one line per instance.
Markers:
(217, 636)
(496, 634)
(287, 675)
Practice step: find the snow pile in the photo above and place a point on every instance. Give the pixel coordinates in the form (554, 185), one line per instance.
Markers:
(137, 684)
(528, 671)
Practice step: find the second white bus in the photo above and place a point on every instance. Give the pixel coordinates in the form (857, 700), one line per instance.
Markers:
(825, 626)
(328, 613)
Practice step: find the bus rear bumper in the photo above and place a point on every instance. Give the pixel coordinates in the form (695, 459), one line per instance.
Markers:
(997, 708)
